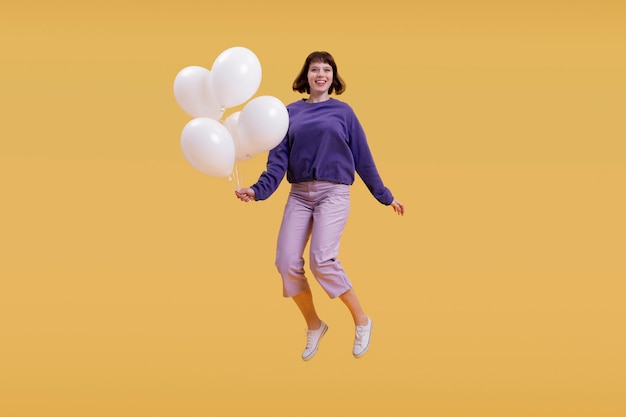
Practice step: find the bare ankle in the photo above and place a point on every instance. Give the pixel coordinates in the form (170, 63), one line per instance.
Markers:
(315, 324)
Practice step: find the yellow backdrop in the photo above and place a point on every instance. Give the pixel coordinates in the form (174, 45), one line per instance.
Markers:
(133, 285)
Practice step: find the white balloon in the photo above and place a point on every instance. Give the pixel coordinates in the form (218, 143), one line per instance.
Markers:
(263, 123)
(208, 147)
(243, 149)
(236, 76)
(194, 93)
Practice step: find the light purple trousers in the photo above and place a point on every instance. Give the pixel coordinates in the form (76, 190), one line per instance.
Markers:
(317, 210)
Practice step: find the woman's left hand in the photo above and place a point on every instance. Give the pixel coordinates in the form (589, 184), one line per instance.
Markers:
(398, 207)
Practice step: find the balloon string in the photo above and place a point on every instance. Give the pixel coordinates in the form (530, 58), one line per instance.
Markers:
(237, 176)
(234, 177)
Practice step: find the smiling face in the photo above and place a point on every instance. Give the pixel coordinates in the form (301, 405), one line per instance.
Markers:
(320, 78)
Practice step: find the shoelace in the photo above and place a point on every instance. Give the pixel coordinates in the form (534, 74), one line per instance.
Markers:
(309, 339)
(361, 331)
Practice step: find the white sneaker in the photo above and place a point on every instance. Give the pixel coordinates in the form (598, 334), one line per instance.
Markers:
(313, 338)
(362, 339)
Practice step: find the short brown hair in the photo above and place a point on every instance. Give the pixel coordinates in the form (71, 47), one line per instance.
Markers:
(301, 83)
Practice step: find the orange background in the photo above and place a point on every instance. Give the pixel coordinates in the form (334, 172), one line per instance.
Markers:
(132, 285)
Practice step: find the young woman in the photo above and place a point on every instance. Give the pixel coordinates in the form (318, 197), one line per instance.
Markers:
(324, 147)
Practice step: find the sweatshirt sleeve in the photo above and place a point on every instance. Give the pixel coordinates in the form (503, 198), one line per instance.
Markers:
(364, 163)
(276, 167)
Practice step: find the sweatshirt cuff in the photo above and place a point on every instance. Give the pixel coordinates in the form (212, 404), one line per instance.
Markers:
(256, 192)
(386, 198)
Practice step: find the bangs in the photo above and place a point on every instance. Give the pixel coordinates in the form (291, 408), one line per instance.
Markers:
(321, 57)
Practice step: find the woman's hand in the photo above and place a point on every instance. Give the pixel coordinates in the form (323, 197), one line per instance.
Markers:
(245, 194)
(398, 207)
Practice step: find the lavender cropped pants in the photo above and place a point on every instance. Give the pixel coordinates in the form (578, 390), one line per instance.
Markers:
(316, 210)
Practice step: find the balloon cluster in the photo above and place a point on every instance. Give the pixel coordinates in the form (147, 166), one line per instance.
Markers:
(211, 145)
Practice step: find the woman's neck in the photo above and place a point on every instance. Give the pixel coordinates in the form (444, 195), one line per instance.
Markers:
(318, 98)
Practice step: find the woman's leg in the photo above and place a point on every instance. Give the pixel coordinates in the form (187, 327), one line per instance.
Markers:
(293, 235)
(316, 327)
(292, 239)
(329, 220)
(363, 324)
(351, 301)
(304, 301)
